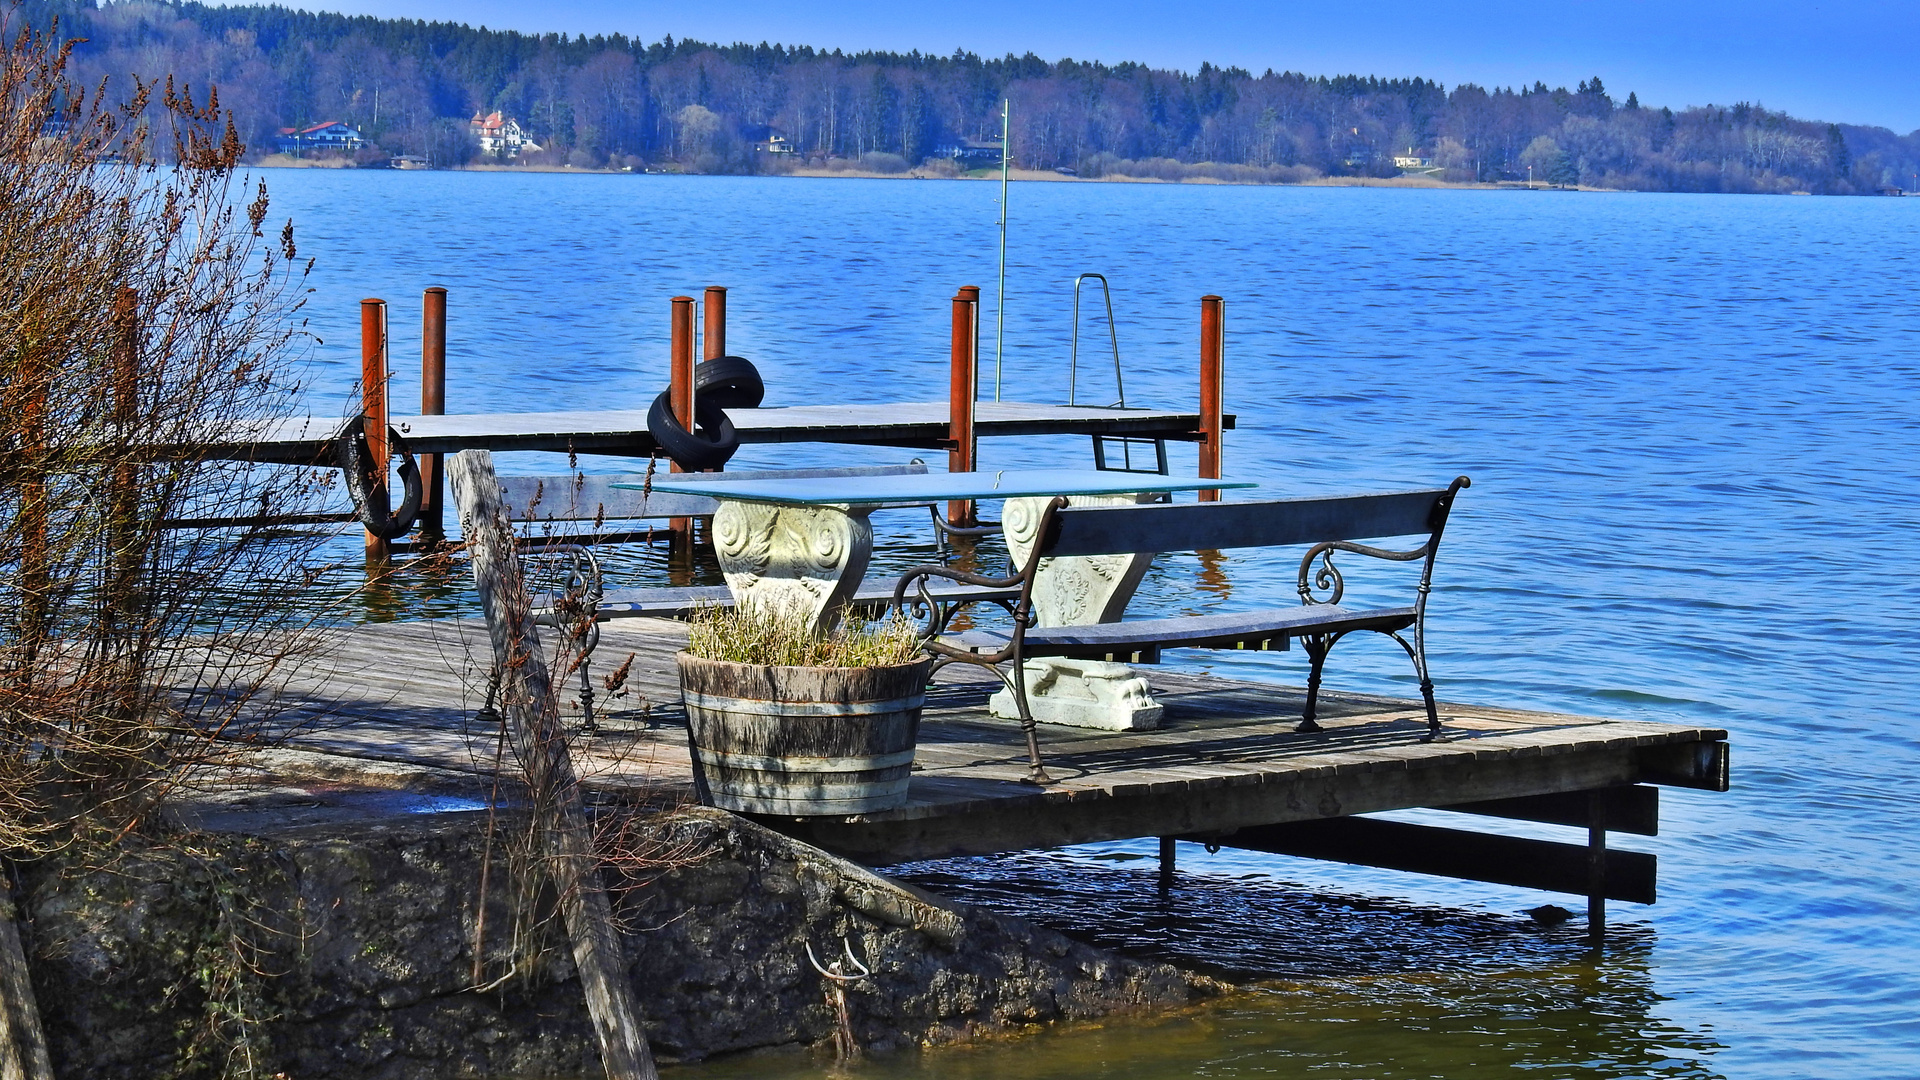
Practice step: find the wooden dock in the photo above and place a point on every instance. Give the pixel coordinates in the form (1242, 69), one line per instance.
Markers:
(1226, 766)
(919, 425)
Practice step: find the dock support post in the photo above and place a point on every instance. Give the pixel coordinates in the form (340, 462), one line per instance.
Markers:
(433, 402)
(1596, 867)
(1166, 864)
(373, 406)
(680, 384)
(963, 391)
(533, 723)
(1213, 348)
(714, 339)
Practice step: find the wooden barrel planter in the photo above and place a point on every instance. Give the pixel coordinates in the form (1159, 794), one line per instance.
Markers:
(802, 741)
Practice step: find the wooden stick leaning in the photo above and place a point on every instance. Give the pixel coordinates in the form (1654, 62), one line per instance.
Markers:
(23, 1047)
(533, 723)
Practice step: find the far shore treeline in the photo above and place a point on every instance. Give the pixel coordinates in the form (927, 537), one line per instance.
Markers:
(410, 88)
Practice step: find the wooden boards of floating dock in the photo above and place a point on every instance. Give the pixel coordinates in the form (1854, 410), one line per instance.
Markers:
(915, 425)
(1226, 762)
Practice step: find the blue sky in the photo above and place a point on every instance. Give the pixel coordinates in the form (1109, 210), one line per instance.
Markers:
(1851, 61)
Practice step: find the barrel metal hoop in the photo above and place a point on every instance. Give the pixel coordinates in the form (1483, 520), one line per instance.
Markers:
(793, 763)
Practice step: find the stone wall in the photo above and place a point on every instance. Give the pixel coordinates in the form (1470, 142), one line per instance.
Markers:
(336, 952)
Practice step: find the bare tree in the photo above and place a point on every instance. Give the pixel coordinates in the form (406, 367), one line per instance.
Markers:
(146, 318)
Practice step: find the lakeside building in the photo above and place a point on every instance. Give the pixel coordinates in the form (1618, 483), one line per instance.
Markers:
(331, 135)
(768, 140)
(1411, 160)
(973, 152)
(500, 136)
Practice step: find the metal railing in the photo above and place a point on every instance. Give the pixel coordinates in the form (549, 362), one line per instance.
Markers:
(1125, 443)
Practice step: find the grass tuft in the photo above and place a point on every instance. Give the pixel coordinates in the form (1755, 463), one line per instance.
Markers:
(786, 637)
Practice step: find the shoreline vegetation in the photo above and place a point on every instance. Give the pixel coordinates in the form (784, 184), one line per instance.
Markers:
(1425, 183)
(428, 93)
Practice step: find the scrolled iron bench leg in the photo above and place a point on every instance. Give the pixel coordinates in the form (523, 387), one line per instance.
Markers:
(1433, 714)
(1426, 689)
(1317, 647)
(1036, 773)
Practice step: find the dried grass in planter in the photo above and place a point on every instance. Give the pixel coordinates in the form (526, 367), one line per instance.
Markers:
(787, 637)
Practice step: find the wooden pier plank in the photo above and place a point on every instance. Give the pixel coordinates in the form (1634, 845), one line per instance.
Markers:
(914, 424)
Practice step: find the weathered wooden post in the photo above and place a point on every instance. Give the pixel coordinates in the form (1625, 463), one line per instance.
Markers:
(680, 385)
(373, 407)
(533, 723)
(23, 1045)
(715, 336)
(962, 391)
(1213, 348)
(433, 402)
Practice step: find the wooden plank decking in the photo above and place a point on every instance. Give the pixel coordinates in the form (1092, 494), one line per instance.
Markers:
(1227, 757)
(915, 425)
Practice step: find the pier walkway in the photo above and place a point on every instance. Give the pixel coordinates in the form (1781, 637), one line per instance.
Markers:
(1226, 766)
(923, 425)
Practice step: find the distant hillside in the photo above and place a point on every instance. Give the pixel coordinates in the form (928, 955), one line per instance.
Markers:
(411, 86)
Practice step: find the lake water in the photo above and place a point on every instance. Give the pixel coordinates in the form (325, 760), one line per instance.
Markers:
(1690, 424)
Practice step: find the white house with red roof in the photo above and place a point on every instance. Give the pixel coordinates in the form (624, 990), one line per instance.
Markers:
(499, 136)
(326, 135)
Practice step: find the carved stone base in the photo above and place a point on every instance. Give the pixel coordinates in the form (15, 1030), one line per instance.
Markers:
(1084, 693)
(1080, 588)
(809, 558)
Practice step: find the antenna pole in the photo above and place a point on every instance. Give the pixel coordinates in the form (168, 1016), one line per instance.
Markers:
(1000, 316)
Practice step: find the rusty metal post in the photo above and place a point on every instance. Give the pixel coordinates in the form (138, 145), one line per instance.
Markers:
(963, 391)
(1213, 348)
(433, 402)
(680, 386)
(373, 406)
(716, 330)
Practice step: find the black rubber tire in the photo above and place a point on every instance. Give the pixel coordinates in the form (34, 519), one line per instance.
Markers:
(351, 452)
(709, 446)
(731, 382)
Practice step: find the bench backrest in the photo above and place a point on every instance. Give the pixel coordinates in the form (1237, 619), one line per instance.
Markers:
(1113, 530)
(594, 498)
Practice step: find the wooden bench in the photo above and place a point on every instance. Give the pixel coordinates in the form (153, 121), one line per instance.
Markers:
(1327, 525)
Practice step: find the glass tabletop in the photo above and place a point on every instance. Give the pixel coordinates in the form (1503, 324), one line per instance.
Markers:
(934, 487)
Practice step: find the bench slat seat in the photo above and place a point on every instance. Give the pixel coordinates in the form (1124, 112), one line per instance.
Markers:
(1140, 641)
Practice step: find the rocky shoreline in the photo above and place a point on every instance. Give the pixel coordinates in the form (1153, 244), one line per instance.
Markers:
(348, 950)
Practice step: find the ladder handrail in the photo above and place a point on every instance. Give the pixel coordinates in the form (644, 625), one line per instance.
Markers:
(1113, 332)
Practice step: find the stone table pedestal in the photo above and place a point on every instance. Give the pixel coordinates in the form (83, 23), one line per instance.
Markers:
(1072, 591)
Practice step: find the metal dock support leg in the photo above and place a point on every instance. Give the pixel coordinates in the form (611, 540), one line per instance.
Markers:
(433, 402)
(1213, 350)
(1166, 864)
(963, 390)
(680, 385)
(373, 406)
(1596, 867)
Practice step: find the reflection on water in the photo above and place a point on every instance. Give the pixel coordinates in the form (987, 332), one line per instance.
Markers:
(1213, 574)
(1339, 986)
